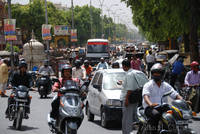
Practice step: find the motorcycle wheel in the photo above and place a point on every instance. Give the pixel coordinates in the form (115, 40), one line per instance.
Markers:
(19, 118)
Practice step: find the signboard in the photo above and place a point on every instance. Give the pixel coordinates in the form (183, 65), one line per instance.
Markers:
(73, 35)
(9, 29)
(46, 32)
(61, 30)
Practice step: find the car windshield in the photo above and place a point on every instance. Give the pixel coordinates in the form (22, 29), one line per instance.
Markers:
(110, 81)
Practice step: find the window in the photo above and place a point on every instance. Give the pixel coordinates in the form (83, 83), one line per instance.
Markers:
(94, 81)
(100, 79)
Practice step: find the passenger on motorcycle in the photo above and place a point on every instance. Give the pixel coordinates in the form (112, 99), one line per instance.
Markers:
(87, 67)
(20, 77)
(66, 74)
(153, 92)
(46, 68)
(78, 71)
(192, 79)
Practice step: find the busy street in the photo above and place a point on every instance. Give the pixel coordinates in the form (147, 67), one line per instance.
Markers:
(99, 67)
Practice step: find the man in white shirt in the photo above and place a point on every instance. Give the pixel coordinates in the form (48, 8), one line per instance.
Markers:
(153, 92)
(150, 60)
(78, 71)
(129, 85)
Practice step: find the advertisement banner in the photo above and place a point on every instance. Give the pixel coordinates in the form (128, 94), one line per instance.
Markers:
(61, 30)
(74, 35)
(46, 32)
(9, 29)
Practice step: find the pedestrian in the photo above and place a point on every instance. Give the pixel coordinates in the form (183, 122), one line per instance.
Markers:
(129, 108)
(3, 77)
(150, 60)
(177, 69)
(135, 63)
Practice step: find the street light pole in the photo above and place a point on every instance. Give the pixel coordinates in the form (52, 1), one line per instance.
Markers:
(72, 14)
(102, 25)
(11, 44)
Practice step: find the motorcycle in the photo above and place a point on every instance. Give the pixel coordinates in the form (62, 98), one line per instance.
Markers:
(44, 84)
(19, 105)
(70, 114)
(174, 120)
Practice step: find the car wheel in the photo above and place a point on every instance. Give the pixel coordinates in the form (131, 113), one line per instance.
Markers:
(90, 116)
(104, 122)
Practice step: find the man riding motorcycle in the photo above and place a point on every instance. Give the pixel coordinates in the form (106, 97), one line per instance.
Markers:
(46, 68)
(153, 92)
(66, 74)
(192, 79)
(20, 77)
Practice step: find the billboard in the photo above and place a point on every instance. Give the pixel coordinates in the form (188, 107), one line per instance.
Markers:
(46, 32)
(74, 35)
(9, 29)
(61, 30)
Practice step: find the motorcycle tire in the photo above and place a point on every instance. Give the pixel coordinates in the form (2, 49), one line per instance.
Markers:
(19, 118)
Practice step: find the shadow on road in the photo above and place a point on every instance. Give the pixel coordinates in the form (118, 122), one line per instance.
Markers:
(113, 125)
(23, 128)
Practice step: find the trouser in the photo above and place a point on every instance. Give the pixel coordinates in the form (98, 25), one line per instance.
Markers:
(195, 101)
(154, 114)
(3, 88)
(129, 116)
(173, 79)
(55, 107)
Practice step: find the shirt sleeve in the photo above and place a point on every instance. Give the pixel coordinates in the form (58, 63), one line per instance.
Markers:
(187, 78)
(170, 88)
(146, 90)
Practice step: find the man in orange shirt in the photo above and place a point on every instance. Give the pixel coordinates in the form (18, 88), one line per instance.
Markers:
(87, 67)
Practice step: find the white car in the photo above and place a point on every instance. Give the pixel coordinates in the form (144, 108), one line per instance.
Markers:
(104, 95)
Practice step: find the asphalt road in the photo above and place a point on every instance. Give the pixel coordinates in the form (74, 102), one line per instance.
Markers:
(37, 123)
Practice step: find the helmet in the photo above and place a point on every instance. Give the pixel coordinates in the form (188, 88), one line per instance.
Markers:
(194, 65)
(157, 68)
(22, 64)
(77, 63)
(86, 62)
(46, 62)
(115, 65)
(66, 67)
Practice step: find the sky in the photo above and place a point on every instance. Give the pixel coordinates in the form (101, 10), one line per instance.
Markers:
(115, 8)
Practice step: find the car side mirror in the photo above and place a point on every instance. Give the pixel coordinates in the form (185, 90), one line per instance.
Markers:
(97, 87)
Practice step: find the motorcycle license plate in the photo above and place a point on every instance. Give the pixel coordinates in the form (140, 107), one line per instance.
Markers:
(21, 100)
(182, 122)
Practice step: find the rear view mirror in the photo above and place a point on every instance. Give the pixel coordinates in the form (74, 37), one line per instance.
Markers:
(97, 87)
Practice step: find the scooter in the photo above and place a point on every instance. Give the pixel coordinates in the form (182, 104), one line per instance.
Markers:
(19, 105)
(44, 85)
(70, 114)
(174, 120)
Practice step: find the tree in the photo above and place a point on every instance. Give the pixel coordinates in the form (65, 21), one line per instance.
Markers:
(15, 48)
(163, 19)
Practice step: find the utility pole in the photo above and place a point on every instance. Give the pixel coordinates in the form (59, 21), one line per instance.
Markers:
(91, 34)
(46, 21)
(102, 25)
(72, 17)
(10, 42)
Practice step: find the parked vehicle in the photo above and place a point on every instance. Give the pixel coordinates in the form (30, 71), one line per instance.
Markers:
(104, 96)
(175, 119)
(17, 108)
(44, 85)
(70, 114)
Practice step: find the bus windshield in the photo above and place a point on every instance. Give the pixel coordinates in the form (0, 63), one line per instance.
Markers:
(97, 47)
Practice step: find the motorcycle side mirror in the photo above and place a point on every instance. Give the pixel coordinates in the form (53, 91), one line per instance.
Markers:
(97, 87)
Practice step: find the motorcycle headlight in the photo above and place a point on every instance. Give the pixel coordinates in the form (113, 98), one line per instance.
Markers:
(111, 102)
(21, 94)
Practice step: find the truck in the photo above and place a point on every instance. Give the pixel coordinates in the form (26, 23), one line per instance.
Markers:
(97, 48)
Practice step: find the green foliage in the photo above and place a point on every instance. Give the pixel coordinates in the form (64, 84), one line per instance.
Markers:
(15, 48)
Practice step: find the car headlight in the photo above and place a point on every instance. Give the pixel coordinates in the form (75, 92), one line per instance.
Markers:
(114, 103)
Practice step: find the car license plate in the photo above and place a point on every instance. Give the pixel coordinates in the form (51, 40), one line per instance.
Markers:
(182, 122)
(21, 100)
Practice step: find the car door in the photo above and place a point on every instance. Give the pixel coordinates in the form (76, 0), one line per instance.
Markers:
(98, 95)
(91, 93)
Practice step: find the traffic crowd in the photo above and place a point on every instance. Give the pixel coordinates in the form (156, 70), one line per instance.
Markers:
(152, 90)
